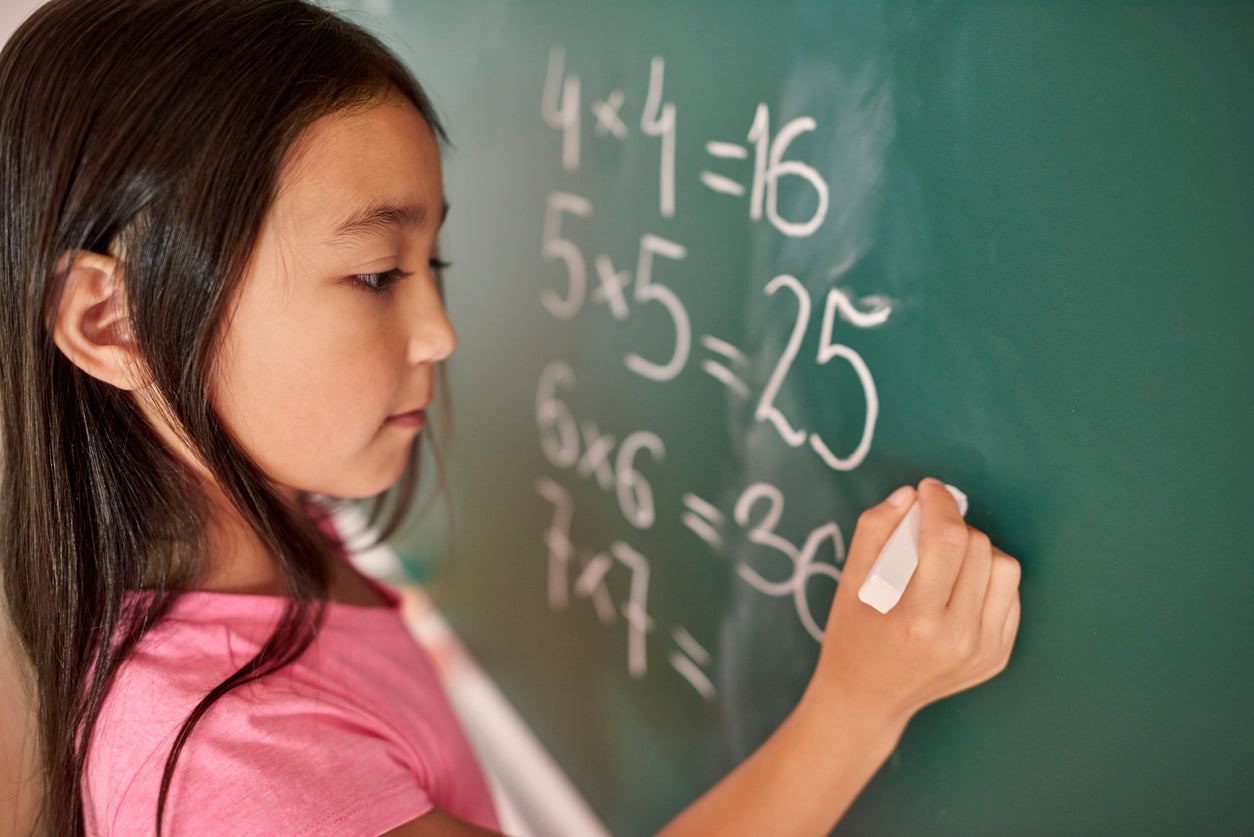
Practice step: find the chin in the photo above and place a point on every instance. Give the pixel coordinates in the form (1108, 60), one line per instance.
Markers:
(363, 490)
(351, 478)
(370, 485)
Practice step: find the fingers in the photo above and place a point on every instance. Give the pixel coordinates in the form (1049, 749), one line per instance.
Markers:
(943, 540)
(955, 624)
(971, 586)
(961, 572)
(874, 528)
(1001, 600)
(999, 616)
(1011, 627)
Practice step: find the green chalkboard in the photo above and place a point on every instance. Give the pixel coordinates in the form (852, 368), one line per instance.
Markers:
(1017, 250)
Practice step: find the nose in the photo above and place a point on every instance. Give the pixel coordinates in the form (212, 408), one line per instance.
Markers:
(431, 335)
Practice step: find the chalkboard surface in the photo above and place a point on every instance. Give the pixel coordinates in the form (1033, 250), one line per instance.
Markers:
(726, 273)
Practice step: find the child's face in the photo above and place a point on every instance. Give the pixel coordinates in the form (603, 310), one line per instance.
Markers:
(320, 375)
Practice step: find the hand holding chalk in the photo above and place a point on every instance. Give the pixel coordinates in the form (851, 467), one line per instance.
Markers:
(899, 558)
(952, 628)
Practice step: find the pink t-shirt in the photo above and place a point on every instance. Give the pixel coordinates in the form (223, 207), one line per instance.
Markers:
(355, 737)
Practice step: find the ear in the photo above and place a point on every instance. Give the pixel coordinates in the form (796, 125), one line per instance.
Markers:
(93, 326)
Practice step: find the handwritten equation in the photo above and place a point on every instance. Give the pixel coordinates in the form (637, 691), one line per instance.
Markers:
(652, 281)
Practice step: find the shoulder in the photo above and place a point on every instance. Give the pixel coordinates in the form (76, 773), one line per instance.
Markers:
(305, 750)
(354, 737)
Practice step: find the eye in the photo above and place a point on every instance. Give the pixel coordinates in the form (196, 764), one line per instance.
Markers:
(379, 283)
(438, 266)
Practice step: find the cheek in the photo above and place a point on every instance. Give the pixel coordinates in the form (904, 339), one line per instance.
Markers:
(303, 393)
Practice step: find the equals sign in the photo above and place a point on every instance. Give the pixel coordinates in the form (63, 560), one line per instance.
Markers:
(703, 519)
(718, 182)
(719, 371)
(690, 662)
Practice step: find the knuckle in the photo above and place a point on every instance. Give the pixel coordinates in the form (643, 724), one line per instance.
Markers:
(1008, 569)
(965, 644)
(923, 631)
(977, 540)
(953, 537)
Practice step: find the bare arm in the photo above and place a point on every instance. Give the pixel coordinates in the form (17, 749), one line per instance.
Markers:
(953, 628)
(438, 824)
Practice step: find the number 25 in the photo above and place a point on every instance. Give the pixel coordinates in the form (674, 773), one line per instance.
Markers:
(767, 411)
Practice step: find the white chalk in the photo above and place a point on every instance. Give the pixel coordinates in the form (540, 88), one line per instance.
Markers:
(899, 558)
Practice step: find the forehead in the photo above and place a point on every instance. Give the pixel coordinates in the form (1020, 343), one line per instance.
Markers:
(346, 162)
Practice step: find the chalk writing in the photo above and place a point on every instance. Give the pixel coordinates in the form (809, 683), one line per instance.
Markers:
(606, 290)
(688, 658)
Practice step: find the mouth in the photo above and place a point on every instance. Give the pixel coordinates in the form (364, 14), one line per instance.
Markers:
(414, 418)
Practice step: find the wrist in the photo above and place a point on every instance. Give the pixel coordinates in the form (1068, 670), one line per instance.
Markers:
(840, 713)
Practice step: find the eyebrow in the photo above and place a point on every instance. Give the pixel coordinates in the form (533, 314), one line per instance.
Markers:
(379, 217)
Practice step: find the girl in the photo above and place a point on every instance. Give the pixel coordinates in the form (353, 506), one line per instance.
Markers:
(220, 303)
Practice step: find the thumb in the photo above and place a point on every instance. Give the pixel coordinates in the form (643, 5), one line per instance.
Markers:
(874, 528)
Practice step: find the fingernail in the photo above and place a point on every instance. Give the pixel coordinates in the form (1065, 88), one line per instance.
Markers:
(900, 496)
(932, 481)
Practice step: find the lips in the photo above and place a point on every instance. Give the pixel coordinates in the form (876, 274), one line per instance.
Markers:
(414, 418)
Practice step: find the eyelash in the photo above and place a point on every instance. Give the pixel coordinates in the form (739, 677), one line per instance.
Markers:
(381, 283)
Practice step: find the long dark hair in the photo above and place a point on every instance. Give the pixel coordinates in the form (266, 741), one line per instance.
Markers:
(156, 129)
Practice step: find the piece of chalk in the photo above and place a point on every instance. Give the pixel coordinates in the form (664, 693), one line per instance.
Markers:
(899, 558)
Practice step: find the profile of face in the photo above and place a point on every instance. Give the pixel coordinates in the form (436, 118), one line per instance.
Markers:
(327, 358)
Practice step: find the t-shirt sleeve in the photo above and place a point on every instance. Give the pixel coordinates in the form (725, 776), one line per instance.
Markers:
(265, 767)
